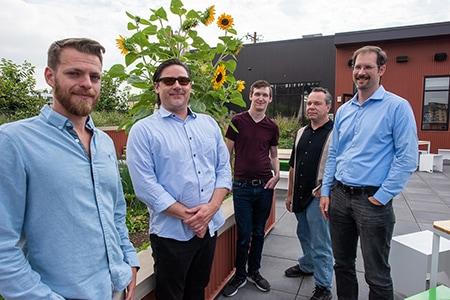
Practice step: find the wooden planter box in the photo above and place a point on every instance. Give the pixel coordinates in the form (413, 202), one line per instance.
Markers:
(224, 257)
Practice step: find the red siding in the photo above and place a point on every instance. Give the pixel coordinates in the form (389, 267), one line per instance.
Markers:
(404, 79)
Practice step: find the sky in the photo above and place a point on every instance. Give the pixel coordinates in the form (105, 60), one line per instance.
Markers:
(28, 27)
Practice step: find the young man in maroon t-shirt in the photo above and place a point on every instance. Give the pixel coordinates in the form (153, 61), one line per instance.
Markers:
(254, 140)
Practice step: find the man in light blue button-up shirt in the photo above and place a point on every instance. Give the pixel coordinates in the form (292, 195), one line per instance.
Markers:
(372, 154)
(180, 169)
(62, 210)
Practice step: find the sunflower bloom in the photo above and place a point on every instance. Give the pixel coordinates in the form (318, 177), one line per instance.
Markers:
(240, 85)
(225, 21)
(121, 44)
(219, 77)
(208, 15)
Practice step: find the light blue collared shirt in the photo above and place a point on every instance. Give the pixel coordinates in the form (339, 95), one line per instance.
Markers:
(171, 160)
(62, 214)
(373, 144)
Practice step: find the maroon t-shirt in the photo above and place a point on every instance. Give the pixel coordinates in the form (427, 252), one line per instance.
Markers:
(252, 143)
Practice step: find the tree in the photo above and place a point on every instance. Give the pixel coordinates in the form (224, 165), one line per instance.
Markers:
(112, 97)
(18, 97)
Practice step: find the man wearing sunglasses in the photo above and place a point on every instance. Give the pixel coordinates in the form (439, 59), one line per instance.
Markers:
(180, 169)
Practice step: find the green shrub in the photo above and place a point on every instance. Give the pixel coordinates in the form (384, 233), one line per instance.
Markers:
(288, 129)
(108, 118)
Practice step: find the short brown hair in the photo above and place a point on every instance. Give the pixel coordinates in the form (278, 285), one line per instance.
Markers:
(381, 55)
(83, 45)
(260, 84)
(328, 96)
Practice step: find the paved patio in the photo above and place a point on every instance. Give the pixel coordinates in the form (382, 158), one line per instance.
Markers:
(425, 199)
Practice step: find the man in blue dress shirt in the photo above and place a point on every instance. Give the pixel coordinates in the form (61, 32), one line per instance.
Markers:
(372, 154)
(180, 169)
(62, 210)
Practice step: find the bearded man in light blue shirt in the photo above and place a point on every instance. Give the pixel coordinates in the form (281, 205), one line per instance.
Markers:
(62, 210)
(372, 154)
(180, 169)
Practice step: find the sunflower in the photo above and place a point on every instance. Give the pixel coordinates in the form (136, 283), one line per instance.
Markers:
(240, 85)
(219, 77)
(208, 15)
(121, 44)
(225, 21)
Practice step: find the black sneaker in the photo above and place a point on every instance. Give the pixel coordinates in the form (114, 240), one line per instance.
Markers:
(261, 283)
(233, 286)
(321, 293)
(295, 271)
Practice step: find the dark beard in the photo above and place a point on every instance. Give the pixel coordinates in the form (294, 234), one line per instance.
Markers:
(77, 108)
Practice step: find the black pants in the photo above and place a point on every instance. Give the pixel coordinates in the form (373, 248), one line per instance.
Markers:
(352, 216)
(182, 268)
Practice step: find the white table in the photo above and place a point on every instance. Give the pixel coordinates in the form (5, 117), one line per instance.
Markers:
(431, 162)
(440, 229)
(410, 259)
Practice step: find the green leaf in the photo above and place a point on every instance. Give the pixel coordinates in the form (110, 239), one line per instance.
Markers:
(192, 14)
(150, 29)
(130, 15)
(137, 82)
(161, 13)
(230, 65)
(232, 31)
(236, 98)
(144, 21)
(131, 26)
(130, 58)
(117, 70)
(176, 7)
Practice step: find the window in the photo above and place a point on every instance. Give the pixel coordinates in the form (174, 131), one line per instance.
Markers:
(435, 103)
(288, 98)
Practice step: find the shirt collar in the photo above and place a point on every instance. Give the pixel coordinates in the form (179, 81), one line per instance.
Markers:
(327, 125)
(378, 95)
(164, 113)
(60, 121)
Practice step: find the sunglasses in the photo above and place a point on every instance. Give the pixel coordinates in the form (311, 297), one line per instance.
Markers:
(171, 80)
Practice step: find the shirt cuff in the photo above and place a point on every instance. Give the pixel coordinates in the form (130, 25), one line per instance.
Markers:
(163, 202)
(325, 191)
(382, 196)
(132, 259)
(225, 184)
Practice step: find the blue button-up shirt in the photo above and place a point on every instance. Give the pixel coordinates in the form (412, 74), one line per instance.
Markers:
(171, 160)
(373, 144)
(62, 214)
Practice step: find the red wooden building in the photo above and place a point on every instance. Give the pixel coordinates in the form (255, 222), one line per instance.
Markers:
(418, 69)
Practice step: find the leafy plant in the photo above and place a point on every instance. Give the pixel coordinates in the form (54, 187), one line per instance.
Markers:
(112, 97)
(288, 129)
(18, 96)
(154, 40)
(107, 118)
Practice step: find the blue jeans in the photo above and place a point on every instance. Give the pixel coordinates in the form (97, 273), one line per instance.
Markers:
(352, 216)
(314, 234)
(252, 206)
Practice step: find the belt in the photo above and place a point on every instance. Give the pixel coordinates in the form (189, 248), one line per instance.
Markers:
(252, 182)
(358, 190)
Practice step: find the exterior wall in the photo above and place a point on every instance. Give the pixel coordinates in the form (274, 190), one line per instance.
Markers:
(404, 79)
(291, 61)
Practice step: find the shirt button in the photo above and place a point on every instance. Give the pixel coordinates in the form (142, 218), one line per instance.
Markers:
(190, 138)
(309, 142)
(195, 155)
(201, 190)
(77, 140)
(199, 172)
(306, 152)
